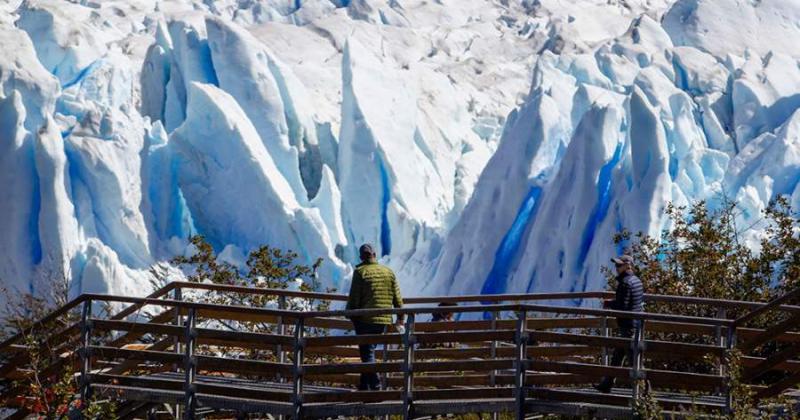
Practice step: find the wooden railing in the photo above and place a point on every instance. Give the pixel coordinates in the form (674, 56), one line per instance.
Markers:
(518, 357)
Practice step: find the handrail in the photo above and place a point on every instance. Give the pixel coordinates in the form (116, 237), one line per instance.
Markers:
(479, 298)
(416, 310)
(46, 319)
(572, 371)
(769, 306)
(759, 307)
(73, 304)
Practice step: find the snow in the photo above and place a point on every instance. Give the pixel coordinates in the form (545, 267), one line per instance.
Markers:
(481, 146)
(723, 27)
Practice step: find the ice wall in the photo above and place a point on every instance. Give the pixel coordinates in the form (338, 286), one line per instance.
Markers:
(481, 146)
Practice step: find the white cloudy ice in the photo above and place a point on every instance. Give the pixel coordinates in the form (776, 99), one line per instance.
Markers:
(482, 145)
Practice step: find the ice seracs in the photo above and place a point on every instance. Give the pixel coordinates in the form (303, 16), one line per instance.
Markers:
(480, 146)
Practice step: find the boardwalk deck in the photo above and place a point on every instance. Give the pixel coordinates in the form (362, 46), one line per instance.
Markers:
(528, 358)
(561, 400)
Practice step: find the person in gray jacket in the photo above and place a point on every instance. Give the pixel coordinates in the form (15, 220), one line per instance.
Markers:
(629, 297)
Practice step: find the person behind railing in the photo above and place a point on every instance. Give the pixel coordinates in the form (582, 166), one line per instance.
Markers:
(441, 317)
(374, 286)
(629, 297)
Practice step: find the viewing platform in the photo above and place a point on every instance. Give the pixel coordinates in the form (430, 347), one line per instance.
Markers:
(173, 355)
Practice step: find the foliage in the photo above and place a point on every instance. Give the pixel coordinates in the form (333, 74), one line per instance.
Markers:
(646, 407)
(740, 394)
(50, 389)
(703, 253)
(266, 268)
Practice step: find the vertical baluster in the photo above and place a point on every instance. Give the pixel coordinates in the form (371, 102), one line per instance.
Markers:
(493, 355)
(177, 295)
(85, 352)
(190, 365)
(385, 375)
(730, 344)
(521, 341)
(279, 354)
(408, 368)
(297, 386)
(637, 361)
(720, 339)
(605, 332)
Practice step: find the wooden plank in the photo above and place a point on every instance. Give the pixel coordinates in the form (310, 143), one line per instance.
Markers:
(464, 337)
(771, 362)
(578, 368)
(684, 380)
(578, 396)
(350, 397)
(235, 315)
(682, 350)
(789, 365)
(748, 334)
(243, 366)
(676, 327)
(144, 355)
(771, 333)
(244, 339)
(138, 327)
(659, 378)
(467, 366)
(439, 366)
(342, 368)
(329, 323)
(778, 387)
(653, 346)
(132, 336)
(592, 340)
(773, 304)
(339, 351)
(597, 398)
(138, 381)
(505, 324)
(346, 340)
(449, 381)
(463, 394)
(447, 353)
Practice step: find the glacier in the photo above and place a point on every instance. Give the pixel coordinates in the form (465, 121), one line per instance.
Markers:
(483, 146)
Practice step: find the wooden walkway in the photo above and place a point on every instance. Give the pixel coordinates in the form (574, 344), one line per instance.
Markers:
(507, 353)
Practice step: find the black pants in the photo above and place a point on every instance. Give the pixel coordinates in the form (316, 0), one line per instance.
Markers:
(620, 356)
(367, 352)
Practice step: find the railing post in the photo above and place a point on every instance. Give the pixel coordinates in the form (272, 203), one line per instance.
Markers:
(85, 352)
(190, 365)
(177, 295)
(521, 340)
(493, 351)
(297, 386)
(493, 355)
(604, 332)
(408, 368)
(730, 344)
(637, 351)
(720, 339)
(280, 356)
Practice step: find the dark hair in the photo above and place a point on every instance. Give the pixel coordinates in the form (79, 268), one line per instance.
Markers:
(366, 252)
(441, 316)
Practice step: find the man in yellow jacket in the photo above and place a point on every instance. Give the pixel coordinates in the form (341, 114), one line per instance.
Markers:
(374, 286)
